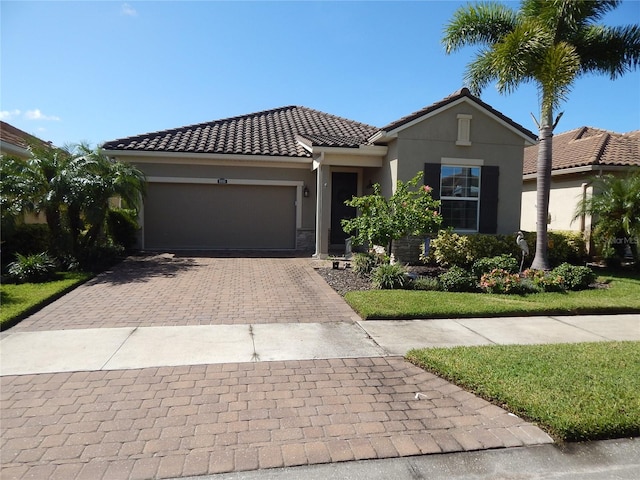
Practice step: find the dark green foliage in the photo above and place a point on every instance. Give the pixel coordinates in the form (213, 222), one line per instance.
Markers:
(34, 268)
(25, 238)
(457, 279)
(575, 277)
(99, 258)
(390, 277)
(122, 227)
(501, 262)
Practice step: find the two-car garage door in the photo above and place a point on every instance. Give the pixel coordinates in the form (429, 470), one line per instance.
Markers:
(219, 216)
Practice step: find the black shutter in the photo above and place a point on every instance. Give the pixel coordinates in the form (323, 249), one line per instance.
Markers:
(432, 178)
(489, 199)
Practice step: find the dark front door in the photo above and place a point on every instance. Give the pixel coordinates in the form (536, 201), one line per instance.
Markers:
(344, 186)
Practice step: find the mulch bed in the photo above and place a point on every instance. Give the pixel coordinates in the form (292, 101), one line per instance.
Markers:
(345, 280)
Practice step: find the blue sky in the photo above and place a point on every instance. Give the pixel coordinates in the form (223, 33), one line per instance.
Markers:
(97, 71)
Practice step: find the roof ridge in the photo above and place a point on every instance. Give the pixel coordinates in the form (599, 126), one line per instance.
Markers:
(599, 151)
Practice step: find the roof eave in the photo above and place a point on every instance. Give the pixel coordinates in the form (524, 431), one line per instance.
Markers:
(149, 156)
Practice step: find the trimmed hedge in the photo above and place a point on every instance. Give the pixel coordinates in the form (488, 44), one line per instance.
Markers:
(449, 248)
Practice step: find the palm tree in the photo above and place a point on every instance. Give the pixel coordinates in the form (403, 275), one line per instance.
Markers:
(72, 186)
(616, 208)
(549, 43)
(102, 179)
(36, 185)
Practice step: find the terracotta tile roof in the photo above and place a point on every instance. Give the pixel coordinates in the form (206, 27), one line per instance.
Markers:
(464, 92)
(588, 146)
(15, 136)
(271, 132)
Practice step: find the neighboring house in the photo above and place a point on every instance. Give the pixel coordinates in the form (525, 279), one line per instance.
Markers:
(278, 179)
(578, 156)
(15, 143)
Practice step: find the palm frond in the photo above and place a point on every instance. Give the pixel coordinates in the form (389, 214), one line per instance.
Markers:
(481, 24)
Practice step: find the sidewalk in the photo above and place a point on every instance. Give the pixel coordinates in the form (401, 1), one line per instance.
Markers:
(33, 352)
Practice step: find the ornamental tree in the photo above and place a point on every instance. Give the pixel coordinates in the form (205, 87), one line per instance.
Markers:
(409, 211)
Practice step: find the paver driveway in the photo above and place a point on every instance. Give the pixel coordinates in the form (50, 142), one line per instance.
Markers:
(167, 290)
(172, 421)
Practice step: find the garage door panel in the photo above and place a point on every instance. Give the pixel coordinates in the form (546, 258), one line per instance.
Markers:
(194, 216)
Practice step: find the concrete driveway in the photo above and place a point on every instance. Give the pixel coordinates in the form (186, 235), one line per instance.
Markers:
(170, 290)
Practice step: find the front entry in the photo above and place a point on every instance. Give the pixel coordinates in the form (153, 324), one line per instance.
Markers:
(344, 186)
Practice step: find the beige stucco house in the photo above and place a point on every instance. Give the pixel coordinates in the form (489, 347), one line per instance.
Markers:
(578, 157)
(278, 179)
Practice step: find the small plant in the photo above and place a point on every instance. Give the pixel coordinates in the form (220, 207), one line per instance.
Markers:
(500, 262)
(457, 279)
(35, 268)
(575, 277)
(364, 263)
(390, 277)
(426, 284)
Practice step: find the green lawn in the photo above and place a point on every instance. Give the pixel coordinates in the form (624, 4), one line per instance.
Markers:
(623, 295)
(576, 392)
(20, 300)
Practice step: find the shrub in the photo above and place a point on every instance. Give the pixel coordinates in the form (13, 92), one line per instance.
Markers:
(389, 277)
(426, 284)
(34, 268)
(26, 239)
(122, 227)
(544, 281)
(575, 277)
(457, 279)
(503, 281)
(450, 248)
(500, 262)
(364, 263)
(99, 258)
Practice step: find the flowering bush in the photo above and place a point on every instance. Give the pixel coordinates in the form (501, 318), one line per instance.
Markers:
(545, 281)
(502, 281)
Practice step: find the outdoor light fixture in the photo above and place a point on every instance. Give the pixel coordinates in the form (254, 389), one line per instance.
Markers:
(370, 186)
(305, 191)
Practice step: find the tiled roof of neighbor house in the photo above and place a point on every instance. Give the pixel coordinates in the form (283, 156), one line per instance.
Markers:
(464, 92)
(588, 146)
(15, 136)
(271, 132)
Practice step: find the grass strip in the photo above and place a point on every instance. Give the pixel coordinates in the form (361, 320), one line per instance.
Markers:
(576, 392)
(21, 300)
(621, 296)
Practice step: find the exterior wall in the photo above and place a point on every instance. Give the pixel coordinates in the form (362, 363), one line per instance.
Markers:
(566, 192)
(434, 139)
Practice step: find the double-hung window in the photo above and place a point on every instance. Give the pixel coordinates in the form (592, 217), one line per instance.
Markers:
(460, 197)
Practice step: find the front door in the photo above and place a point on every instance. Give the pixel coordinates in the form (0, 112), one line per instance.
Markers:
(344, 186)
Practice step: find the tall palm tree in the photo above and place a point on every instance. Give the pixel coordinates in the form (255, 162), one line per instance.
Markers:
(549, 43)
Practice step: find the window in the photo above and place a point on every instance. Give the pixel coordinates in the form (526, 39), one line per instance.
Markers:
(460, 197)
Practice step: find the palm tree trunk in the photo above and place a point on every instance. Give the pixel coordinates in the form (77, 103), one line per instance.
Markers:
(543, 189)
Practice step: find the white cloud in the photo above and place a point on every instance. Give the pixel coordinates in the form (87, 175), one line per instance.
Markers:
(9, 114)
(38, 115)
(128, 10)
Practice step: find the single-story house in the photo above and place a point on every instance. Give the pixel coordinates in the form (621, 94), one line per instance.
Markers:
(579, 156)
(278, 179)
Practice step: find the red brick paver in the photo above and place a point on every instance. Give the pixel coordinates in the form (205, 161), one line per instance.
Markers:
(195, 420)
(164, 290)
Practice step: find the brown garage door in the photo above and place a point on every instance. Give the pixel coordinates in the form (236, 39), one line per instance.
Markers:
(194, 216)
